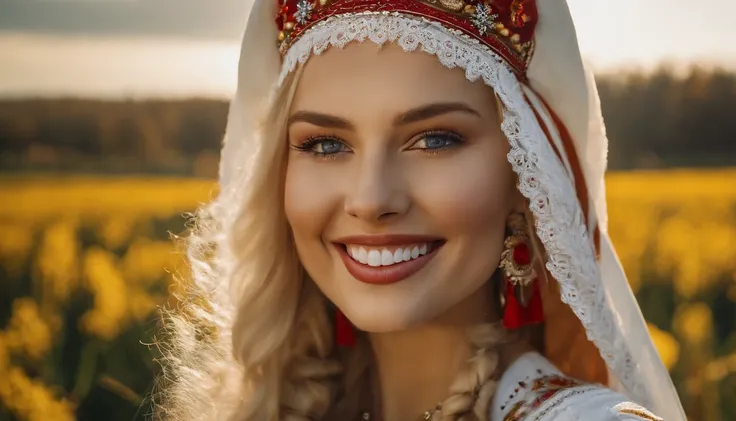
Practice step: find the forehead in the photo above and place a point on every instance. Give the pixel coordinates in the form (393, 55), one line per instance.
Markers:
(367, 76)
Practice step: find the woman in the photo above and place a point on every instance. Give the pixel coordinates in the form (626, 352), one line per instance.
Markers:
(415, 231)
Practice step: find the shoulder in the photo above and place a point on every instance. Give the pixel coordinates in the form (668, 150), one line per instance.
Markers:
(533, 389)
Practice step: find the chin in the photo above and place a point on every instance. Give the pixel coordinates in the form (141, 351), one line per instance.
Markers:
(384, 324)
(389, 313)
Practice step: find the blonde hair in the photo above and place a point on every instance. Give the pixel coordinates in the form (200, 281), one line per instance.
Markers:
(251, 339)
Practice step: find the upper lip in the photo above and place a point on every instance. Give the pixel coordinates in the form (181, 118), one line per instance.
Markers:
(387, 239)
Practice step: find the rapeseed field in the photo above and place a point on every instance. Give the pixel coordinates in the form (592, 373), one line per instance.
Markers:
(85, 262)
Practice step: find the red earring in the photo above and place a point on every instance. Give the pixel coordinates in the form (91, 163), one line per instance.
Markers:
(523, 299)
(344, 330)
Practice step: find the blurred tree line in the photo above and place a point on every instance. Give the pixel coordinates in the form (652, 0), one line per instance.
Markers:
(664, 120)
(88, 136)
(654, 120)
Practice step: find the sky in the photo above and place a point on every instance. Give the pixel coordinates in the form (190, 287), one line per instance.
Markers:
(178, 48)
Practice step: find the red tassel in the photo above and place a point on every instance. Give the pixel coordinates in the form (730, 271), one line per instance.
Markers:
(344, 330)
(512, 314)
(515, 315)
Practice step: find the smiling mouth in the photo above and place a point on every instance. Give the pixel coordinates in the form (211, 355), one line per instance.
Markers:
(388, 256)
(382, 265)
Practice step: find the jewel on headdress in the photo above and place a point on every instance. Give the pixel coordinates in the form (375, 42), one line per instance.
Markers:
(484, 19)
(303, 11)
(454, 5)
(518, 17)
(283, 11)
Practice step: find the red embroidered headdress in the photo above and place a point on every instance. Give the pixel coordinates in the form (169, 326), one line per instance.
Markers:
(505, 26)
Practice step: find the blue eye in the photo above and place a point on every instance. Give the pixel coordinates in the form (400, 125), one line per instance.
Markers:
(328, 146)
(322, 146)
(435, 140)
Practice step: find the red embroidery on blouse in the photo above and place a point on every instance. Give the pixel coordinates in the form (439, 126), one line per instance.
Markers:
(540, 391)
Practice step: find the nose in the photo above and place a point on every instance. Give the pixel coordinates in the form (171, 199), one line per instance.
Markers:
(377, 191)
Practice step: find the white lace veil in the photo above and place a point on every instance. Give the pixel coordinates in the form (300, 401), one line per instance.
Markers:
(596, 289)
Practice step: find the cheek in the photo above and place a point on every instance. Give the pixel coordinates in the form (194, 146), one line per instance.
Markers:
(310, 203)
(474, 201)
(304, 202)
(468, 203)
(470, 196)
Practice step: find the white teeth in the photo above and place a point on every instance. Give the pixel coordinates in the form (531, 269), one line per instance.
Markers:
(374, 258)
(363, 256)
(387, 258)
(384, 256)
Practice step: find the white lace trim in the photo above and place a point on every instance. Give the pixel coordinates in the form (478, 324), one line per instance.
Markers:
(542, 178)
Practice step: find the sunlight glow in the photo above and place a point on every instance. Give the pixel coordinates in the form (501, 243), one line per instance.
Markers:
(130, 67)
(613, 34)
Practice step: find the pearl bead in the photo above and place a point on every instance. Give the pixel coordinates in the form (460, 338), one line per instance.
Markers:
(454, 5)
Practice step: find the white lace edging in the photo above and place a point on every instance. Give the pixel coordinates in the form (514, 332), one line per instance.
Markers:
(542, 178)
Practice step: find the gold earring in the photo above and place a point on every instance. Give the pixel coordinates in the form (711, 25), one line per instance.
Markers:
(523, 300)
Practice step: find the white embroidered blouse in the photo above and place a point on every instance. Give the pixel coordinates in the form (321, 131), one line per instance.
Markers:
(532, 389)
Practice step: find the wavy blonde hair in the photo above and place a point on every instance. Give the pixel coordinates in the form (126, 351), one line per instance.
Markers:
(252, 339)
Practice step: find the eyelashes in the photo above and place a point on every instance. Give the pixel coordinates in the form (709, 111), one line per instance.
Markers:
(432, 142)
(437, 141)
(325, 145)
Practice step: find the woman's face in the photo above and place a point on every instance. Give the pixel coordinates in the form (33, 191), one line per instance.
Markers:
(397, 186)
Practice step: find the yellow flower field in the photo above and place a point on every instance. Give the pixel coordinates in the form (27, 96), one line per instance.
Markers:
(86, 261)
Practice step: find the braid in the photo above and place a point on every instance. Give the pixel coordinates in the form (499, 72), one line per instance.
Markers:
(321, 382)
(475, 385)
(356, 394)
(311, 377)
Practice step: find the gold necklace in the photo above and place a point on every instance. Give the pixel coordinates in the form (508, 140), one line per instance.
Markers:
(367, 416)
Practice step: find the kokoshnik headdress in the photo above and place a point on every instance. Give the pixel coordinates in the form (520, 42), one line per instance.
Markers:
(527, 52)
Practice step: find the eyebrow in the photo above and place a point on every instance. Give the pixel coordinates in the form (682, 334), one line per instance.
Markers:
(424, 112)
(319, 119)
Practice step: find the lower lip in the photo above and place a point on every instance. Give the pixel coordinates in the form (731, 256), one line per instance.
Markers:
(384, 275)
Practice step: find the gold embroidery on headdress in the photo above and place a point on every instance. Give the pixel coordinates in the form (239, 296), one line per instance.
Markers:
(506, 26)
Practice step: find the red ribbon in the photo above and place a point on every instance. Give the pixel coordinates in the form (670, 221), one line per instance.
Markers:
(344, 330)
